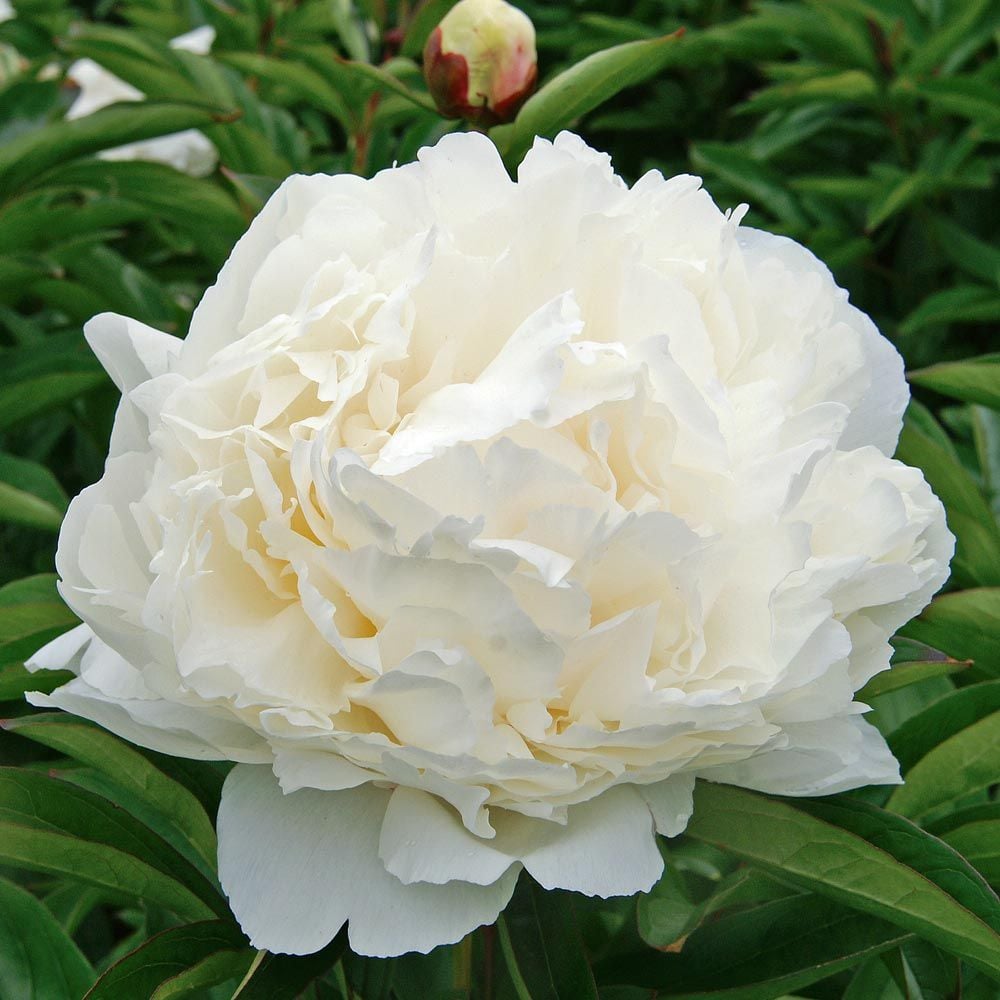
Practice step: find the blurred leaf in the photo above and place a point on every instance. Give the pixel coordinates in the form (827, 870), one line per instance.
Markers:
(426, 17)
(848, 86)
(301, 81)
(759, 182)
(127, 767)
(967, 96)
(961, 304)
(581, 88)
(26, 398)
(934, 51)
(143, 971)
(30, 494)
(38, 959)
(759, 953)
(25, 159)
(897, 197)
(862, 856)
(975, 256)
(541, 944)
(974, 381)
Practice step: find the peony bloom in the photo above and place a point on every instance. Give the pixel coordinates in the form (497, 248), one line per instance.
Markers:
(480, 61)
(475, 520)
(188, 151)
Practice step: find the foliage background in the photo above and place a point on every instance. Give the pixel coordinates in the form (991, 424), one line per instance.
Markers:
(869, 130)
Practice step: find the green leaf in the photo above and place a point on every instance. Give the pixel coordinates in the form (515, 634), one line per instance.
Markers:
(960, 304)
(38, 959)
(31, 613)
(24, 159)
(53, 826)
(759, 953)
(979, 844)
(30, 494)
(864, 857)
(903, 674)
(958, 767)
(169, 954)
(966, 625)
(15, 680)
(581, 88)
(128, 768)
(542, 946)
(969, 516)
(974, 381)
(942, 719)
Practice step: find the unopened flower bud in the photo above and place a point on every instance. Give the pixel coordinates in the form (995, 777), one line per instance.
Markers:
(480, 61)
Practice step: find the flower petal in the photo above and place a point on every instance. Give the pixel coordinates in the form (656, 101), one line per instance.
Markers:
(424, 841)
(130, 351)
(607, 847)
(671, 803)
(296, 867)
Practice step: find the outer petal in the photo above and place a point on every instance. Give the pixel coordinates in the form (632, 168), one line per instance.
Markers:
(216, 319)
(423, 840)
(607, 847)
(671, 803)
(877, 417)
(130, 351)
(296, 867)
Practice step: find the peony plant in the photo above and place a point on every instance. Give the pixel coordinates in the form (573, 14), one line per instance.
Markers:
(476, 520)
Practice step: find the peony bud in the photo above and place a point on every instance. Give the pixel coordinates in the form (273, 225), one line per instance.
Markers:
(480, 61)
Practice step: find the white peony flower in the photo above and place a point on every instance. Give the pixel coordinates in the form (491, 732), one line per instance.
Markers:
(188, 151)
(475, 520)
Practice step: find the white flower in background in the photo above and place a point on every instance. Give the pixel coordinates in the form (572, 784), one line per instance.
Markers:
(188, 151)
(7, 11)
(475, 519)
